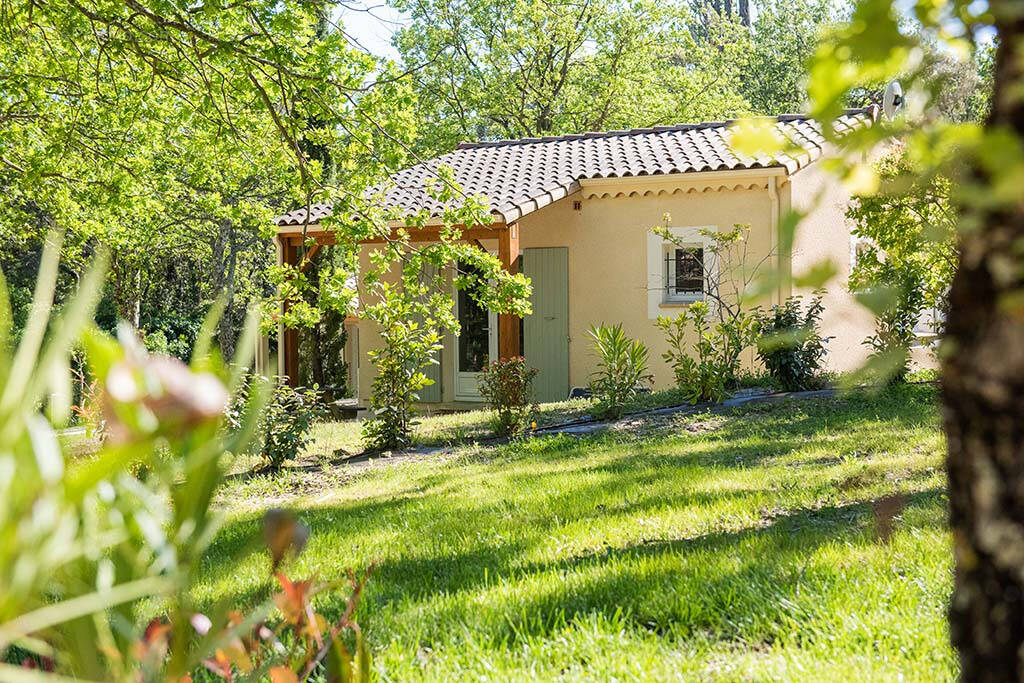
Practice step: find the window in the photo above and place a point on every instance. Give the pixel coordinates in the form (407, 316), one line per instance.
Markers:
(475, 334)
(930, 326)
(684, 273)
(859, 248)
(681, 265)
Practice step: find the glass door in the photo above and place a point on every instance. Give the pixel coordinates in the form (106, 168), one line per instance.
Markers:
(475, 346)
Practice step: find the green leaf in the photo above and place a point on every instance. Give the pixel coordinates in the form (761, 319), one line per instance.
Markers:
(204, 339)
(45, 447)
(24, 362)
(83, 605)
(755, 137)
(339, 663)
(363, 659)
(817, 275)
(878, 299)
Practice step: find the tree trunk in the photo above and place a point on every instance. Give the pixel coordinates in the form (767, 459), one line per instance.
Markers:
(983, 394)
(226, 247)
(744, 6)
(127, 280)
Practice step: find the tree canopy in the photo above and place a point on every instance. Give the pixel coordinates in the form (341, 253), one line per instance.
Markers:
(171, 134)
(522, 68)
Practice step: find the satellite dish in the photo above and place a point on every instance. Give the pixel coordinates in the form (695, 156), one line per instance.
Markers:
(892, 100)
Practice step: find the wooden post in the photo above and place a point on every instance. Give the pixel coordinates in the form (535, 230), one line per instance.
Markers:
(508, 325)
(289, 341)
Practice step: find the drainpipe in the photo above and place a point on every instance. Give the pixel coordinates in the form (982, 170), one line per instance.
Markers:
(773, 196)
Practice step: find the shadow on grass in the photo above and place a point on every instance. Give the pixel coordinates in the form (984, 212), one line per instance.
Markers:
(744, 585)
(747, 583)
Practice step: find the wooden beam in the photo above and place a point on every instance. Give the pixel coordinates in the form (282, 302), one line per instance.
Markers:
(290, 340)
(307, 261)
(431, 234)
(508, 325)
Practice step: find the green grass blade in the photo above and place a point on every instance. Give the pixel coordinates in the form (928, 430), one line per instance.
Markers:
(32, 338)
(83, 605)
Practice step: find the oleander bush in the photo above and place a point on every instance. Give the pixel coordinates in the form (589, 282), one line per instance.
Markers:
(622, 369)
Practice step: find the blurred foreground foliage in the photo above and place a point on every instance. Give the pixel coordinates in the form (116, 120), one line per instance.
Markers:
(85, 545)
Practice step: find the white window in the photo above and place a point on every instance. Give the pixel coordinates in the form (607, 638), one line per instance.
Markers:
(678, 269)
(859, 247)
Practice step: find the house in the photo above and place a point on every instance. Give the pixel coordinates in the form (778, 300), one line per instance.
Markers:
(574, 212)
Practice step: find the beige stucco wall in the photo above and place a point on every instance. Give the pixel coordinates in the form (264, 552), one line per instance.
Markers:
(608, 253)
(824, 234)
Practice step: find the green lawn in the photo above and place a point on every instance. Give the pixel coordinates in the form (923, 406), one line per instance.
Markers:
(741, 546)
(333, 439)
(340, 438)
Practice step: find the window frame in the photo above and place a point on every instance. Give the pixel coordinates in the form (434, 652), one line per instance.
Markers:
(671, 274)
(658, 246)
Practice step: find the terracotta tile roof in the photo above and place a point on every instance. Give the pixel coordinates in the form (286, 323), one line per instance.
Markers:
(521, 176)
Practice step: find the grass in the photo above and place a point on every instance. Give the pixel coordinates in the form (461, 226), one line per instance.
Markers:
(446, 429)
(735, 546)
(439, 429)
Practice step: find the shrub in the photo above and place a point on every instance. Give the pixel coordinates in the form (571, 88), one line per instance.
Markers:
(622, 369)
(894, 325)
(407, 348)
(507, 386)
(713, 370)
(285, 424)
(791, 346)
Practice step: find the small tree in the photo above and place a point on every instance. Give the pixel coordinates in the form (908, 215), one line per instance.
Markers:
(711, 371)
(507, 386)
(622, 370)
(729, 271)
(907, 239)
(406, 290)
(407, 346)
(791, 346)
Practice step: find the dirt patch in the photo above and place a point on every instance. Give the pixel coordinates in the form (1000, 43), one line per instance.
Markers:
(706, 423)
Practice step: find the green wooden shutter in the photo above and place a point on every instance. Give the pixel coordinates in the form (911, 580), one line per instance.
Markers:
(546, 330)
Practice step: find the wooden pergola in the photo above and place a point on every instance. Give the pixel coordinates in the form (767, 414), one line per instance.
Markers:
(292, 238)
